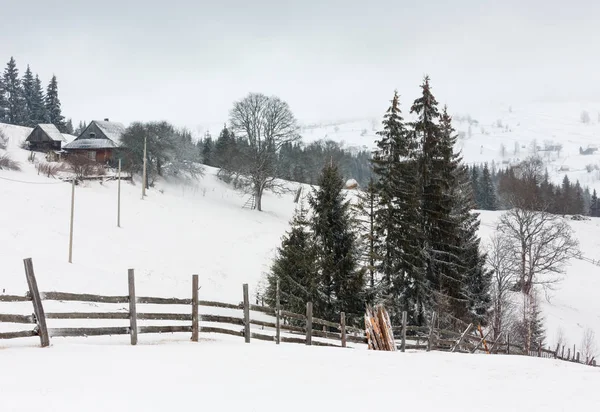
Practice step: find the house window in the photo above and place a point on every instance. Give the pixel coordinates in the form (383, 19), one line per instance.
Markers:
(92, 135)
(92, 155)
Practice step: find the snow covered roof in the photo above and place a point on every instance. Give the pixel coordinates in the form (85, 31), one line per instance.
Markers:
(68, 138)
(91, 144)
(52, 132)
(112, 130)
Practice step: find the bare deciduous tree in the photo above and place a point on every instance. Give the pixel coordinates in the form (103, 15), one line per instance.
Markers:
(267, 123)
(499, 259)
(588, 345)
(541, 244)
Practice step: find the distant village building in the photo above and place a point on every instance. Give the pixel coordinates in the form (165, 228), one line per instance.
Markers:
(590, 150)
(45, 137)
(99, 141)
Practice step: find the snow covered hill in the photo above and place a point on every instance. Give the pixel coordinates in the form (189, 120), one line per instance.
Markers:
(187, 227)
(522, 130)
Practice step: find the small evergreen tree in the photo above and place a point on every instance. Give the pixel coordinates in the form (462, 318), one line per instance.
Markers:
(594, 205)
(53, 106)
(335, 241)
(366, 212)
(488, 192)
(296, 268)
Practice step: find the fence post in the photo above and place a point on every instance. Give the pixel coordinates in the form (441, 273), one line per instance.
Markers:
(562, 355)
(195, 322)
(404, 320)
(431, 328)
(556, 351)
(277, 316)
(539, 350)
(343, 328)
(508, 345)
(309, 311)
(462, 337)
(246, 314)
(38, 309)
(132, 308)
(577, 357)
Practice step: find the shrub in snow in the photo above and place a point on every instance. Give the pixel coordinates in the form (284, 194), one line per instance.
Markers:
(3, 140)
(6, 163)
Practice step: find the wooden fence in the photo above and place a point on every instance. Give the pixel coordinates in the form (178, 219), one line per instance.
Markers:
(298, 328)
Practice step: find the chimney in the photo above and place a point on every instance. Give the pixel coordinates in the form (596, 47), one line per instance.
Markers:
(106, 119)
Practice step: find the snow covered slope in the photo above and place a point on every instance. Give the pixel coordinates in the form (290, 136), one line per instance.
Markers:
(183, 228)
(232, 376)
(517, 128)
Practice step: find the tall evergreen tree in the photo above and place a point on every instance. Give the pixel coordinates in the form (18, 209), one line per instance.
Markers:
(342, 284)
(399, 234)
(443, 274)
(472, 283)
(53, 106)
(296, 269)
(29, 97)
(38, 113)
(13, 94)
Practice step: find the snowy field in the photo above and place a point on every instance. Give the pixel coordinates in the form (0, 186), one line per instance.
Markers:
(230, 376)
(183, 228)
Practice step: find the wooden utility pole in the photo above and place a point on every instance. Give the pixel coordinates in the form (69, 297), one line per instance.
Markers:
(119, 198)
(144, 174)
(72, 215)
(277, 316)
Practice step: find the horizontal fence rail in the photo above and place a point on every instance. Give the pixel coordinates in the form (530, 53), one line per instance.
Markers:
(297, 327)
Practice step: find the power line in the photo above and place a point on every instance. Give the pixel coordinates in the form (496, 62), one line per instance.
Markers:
(31, 183)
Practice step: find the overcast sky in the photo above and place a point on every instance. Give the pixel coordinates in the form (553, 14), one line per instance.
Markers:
(187, 61)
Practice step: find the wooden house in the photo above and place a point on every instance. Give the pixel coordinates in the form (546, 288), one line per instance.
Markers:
(45, 138)
(99, 141)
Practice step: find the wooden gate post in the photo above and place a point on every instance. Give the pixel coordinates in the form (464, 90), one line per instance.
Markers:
(38, 308)
(246, 314)
(404, 320)
(309, 311)
(277, 316)
(132, 308)
(343, 328)
(195, 320)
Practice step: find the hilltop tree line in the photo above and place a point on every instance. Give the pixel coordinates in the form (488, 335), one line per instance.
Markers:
(25, 102)
(410, 242)
(527, 185)
(294, 161)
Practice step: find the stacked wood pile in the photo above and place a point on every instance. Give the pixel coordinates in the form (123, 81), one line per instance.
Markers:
(378, 328)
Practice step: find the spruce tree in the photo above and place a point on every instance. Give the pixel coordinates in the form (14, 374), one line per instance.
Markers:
(443, 276)
(3, 102)
(53, 106)
(366, 210)
(473, 279)
(39, 113)
(13, 94)
(335, 241)
(296, 269)
(595, 206)
(475, 186)
(29, 97)
(397, 221)
(488, 192)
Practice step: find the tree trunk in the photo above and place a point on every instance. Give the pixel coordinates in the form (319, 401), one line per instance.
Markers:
(258, 195)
